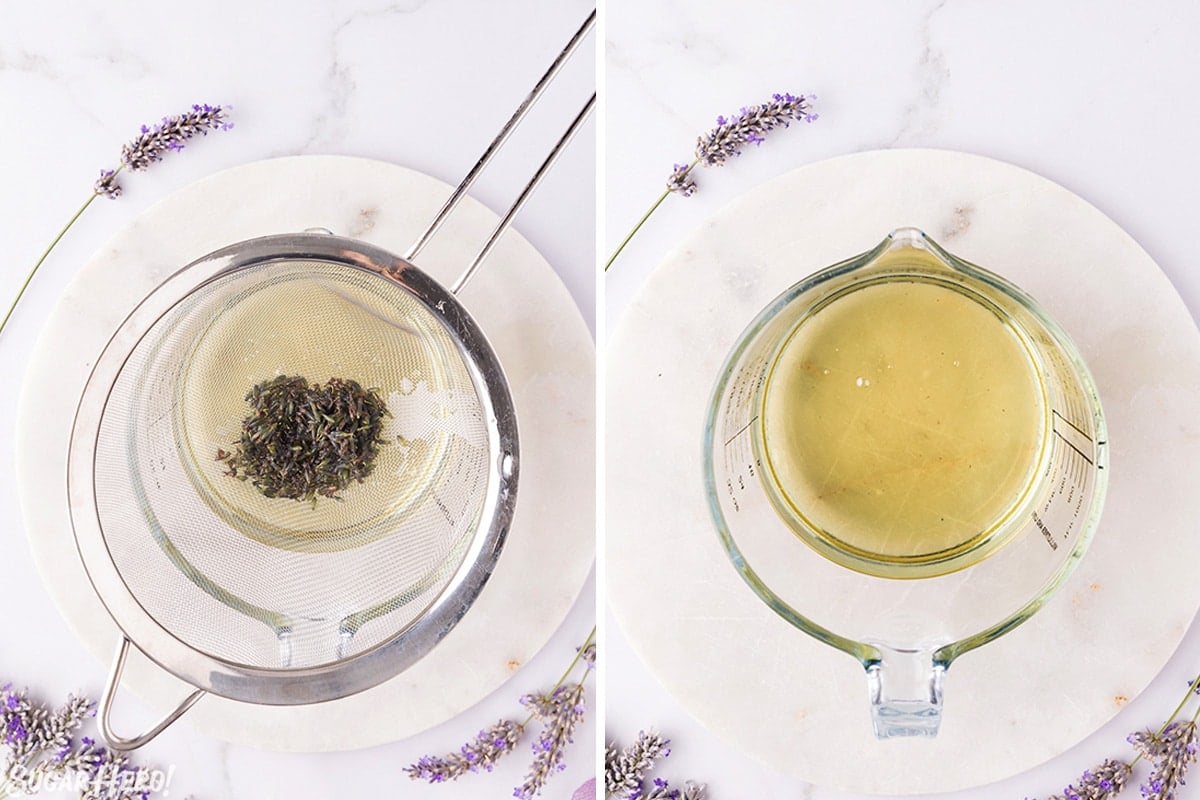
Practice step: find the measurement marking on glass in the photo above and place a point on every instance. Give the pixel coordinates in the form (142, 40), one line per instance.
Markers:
(1067, 441)
(741, 430)
(1080, 430)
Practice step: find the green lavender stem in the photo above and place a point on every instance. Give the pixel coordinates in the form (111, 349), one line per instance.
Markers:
(642, 221)
(636, 228)
(591, 637)
(44, 256)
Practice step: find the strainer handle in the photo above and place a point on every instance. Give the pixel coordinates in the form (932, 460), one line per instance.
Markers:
(519, 203)
(121, 743)
(501, 137)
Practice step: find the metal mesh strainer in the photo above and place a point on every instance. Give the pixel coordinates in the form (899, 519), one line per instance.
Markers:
(272, 600)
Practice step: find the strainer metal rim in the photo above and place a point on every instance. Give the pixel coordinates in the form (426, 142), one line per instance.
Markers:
(373, 666)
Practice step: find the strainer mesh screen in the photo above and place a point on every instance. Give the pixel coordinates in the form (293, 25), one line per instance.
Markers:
(276, 583)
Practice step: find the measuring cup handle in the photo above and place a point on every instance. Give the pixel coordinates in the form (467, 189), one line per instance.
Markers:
(905, 689)
(103, 711)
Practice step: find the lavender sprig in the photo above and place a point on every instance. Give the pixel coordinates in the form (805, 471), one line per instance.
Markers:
(731, 135)
(728, 139)
(481, 753)
(37, 740)
(1172, 749)
(624, 770)
(167, 136)
(41, 753)
(147, 148)
(560, 710)
(1101, 782)
(1176, 752)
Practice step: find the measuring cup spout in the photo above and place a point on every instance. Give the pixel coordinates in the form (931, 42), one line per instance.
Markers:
(905, 689)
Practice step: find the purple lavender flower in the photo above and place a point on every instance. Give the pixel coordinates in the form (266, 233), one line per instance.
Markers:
(39, 744)
(681, 181)
(1175, 751)
(562, 710)
(171, 133)
(482, 752)
(111, 776)
(625, 769)
(541, 707)
(662, 791)
(1148, 744)
(107, 184)
(749, 126)
(559, 710)
(155, 142)
(15, 731)
(1102, 782)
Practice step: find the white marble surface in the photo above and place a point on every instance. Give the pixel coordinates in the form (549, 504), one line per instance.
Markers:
(424, 85)
(1091, 96)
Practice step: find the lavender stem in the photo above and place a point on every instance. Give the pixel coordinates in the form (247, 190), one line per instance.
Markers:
(642, 221)
(636, 228)
(44, 256)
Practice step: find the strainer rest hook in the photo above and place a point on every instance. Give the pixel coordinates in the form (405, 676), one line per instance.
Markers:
(104, 708)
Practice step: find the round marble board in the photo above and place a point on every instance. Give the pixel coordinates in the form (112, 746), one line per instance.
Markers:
(801, 706)
(542, 343)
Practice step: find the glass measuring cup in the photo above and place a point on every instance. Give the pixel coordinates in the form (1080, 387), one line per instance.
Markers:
(905, 457)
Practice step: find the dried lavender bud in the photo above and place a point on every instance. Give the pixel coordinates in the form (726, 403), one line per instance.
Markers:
(625, 770)
(662, 791)
(1148, 744)
(1176, 753)
(481, 753)
(110, 776)
(563, 710)
(681, 181)
(1099, 783)
(301, 442)
(107, 184)
(613, 781)
(730, 137)
(542, 707)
